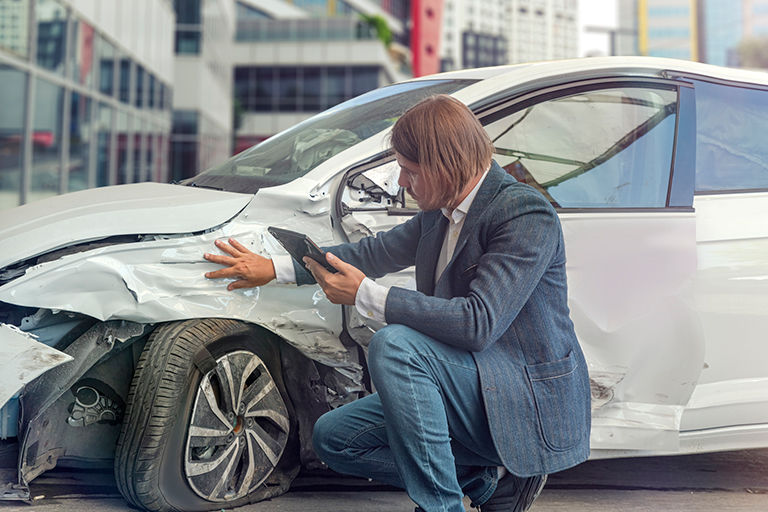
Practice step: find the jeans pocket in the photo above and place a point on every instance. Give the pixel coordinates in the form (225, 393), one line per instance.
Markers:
(557, 391)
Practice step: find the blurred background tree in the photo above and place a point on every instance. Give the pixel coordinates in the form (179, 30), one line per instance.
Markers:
(753, 52)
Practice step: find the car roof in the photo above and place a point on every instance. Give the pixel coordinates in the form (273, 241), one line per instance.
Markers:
(626, 65)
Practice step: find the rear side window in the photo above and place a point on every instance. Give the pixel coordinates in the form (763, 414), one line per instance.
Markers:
(605, 148)
(731, 128)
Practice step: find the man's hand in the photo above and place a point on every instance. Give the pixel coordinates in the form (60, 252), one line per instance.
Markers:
(249, 269)
(341, 287)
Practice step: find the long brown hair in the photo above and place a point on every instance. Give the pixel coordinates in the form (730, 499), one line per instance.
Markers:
(445, 138)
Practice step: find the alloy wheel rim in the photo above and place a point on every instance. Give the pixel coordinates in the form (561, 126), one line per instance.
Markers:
(238, 429)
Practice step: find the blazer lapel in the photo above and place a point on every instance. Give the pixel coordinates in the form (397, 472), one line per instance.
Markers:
(430, 244)
(485, 194)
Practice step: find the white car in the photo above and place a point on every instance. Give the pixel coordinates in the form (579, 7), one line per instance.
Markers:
(116, 351)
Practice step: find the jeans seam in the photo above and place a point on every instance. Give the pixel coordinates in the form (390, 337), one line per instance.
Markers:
(488, 493)
(358, 433)
(423, 437)
(436, 358)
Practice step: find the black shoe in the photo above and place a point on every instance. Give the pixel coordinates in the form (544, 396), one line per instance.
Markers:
(514, 493)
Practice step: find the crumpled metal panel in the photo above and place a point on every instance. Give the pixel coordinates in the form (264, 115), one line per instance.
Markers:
(22, 359)
(630, 284)
(162, 279)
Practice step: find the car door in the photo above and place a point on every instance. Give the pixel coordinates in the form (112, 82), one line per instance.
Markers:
(614, 158)
(729, 408)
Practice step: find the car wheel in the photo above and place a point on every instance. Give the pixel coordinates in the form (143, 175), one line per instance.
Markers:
(208, 422)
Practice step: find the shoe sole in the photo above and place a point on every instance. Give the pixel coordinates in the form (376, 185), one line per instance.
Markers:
(531, 491)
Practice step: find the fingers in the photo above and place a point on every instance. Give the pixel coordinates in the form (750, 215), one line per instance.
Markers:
(229, 249)
(222, 273)
(218, 258)
(316, 269)
(242, 283)
(237, 245)
(337, 262)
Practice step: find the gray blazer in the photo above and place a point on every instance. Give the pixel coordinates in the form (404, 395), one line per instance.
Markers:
(503, 296)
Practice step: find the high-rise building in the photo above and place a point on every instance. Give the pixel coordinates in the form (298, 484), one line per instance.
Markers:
(491, 32)
(85, 95)
(202, 101)
(704, 30)
(669, 28)
(294, 59)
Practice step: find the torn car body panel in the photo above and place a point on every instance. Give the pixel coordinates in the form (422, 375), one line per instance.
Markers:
(22, 359)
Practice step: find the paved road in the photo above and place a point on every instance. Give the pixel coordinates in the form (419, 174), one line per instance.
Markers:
(729, 481)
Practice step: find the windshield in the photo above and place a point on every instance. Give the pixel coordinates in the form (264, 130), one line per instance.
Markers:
(296, 151)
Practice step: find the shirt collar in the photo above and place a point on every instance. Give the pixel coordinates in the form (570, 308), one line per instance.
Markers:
(458, 214)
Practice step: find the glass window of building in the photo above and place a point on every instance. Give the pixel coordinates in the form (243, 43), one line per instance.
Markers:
(151, 91)
(106, 64)
(103, 130)
(138, 149)
(335, 86)
(312, 80)
(364, 79)
(123, 137)
(289, 89)
(46, 140)
(51, 20)
(81, 53)
(139, 86)
(188, 26)
(79, 141)
(125, 80)
(265, 89)
(185, 122)
(13, 87)
(13, 34)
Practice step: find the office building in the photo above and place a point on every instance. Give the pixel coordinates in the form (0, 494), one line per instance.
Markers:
(85, 95)
(704, 30)
(489, 32)
(292, 60)
(202, 101)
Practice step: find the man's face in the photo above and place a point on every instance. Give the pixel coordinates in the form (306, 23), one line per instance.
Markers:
(412, 180)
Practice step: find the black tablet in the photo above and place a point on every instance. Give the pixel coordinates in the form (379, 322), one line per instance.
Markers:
(299, 245)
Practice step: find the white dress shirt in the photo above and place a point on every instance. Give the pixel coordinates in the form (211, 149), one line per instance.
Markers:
(371, 298)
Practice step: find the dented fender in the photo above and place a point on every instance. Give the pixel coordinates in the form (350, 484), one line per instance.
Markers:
(161, 279)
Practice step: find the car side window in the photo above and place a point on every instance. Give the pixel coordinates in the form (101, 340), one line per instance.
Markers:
(607, 148)
(731, 125)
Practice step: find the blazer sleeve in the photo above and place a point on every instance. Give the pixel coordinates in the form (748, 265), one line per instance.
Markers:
(521, 241)
(376, 256)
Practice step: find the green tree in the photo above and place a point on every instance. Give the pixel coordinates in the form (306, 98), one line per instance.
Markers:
(379, 24)
(753, 52)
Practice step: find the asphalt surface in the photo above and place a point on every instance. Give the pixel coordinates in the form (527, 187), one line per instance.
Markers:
(727, 481)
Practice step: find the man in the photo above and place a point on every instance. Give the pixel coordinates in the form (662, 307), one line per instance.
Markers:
(482, 388)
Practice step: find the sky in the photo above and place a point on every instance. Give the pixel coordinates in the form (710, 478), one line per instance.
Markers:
(601, 13)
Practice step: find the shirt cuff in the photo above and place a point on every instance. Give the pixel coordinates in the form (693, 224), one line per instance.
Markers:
(371, 300)
(284, 271)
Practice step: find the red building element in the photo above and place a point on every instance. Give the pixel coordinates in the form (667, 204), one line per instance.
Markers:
(426, 16)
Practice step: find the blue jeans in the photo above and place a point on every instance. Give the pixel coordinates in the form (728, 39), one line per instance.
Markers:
(425, 430)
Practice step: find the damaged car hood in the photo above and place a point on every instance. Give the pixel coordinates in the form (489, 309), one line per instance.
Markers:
(140, 208)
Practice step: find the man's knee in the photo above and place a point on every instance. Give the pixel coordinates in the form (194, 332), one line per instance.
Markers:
(389, 344)
(325, 443)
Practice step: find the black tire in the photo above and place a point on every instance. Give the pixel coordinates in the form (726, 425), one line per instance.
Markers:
(167, 437)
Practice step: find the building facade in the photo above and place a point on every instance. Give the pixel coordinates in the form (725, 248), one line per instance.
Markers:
(479, 33)
(202, 102)
(703, 30)
(85, 95)
(292, 60)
